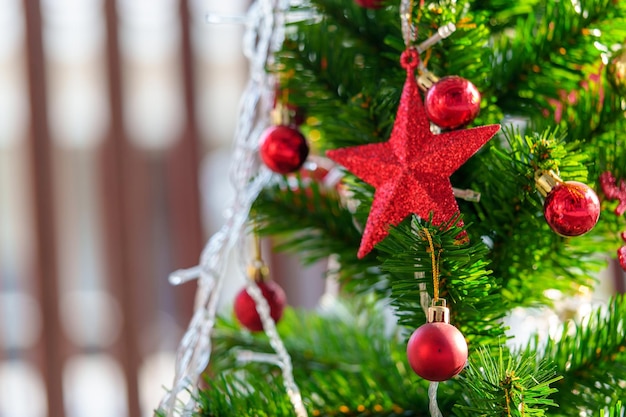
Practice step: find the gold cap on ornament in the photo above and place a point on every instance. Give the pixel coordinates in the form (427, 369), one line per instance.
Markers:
(546, 181)
(439, 313)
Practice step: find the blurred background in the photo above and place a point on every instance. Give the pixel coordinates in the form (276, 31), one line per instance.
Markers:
(116, 122)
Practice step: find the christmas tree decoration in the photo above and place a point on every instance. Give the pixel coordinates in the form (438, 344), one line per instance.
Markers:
(283, 149)
(571, 208)
(245, 307)
(247, 179)
(612, 191)
(411, 170)
(514, 324)
(285, 112)
(621, 252)
(616, 71)
(317, 173)
(437, 350)
(369, 4)
(452, 102)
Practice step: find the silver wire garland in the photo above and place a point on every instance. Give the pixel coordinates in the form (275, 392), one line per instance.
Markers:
(263, 37)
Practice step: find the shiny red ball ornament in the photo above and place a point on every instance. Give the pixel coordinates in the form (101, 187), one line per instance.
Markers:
(283, 149)
(571, 208)
(452, 102)
(245, 307)
(437, 350)
(370, 4)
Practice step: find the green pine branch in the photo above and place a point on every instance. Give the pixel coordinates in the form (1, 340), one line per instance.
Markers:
(346, 360)
(465, 280)
(337, 60)
(591, 357)
(306, 218)
(526, 254)
(562, 41)
(507, 385)
(545, 30)
(616, 410)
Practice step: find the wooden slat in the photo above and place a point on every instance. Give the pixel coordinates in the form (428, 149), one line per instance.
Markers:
(182, 167)
(45, 264)
(117, 160)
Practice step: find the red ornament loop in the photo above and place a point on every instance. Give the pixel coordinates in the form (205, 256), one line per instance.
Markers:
(409, 59)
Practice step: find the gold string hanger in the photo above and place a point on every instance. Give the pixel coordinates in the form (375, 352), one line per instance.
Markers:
(435, 264)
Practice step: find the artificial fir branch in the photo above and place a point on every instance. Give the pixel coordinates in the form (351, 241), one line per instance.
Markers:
(320, 76)
(537, 259)
(616, 410)
(347, 361)
(310, 219)
(591, 356)
(545, 30)
(371, 26)
(467, 282)
(507, 385)
(503, 13)
(568, 42)
(609, 151)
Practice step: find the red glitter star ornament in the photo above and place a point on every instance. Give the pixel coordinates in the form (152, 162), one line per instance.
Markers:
(411, 171)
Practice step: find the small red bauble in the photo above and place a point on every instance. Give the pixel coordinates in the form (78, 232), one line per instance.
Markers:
(437, 351)
(283, 149)
(245, 307)
(370, 4)
(452, 102)
(571, 208)
(621, 257)
(621, 252)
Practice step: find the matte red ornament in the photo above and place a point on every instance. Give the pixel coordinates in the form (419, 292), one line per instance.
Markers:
(437, 350)
(245, 307)
(613, 191)
(283, 149)
(452, 102)
(571, 208)
(411, 171)
(370, 4)
(621, 257)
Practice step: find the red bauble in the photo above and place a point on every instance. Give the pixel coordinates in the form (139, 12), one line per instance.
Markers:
(452, 102)
(571, 208)
(621, 257)
(437, 351)
(370, 4)
(283, 149)
(245, 307)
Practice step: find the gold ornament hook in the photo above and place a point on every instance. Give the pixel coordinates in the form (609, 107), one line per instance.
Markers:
(258, 270)
(546, 181)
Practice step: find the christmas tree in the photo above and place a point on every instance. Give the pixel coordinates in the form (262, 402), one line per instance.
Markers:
(451, 159)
